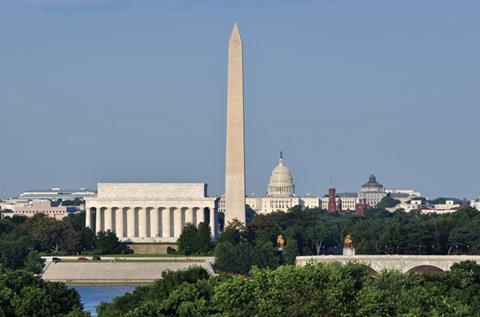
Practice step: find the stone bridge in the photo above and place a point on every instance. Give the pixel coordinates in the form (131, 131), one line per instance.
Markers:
(403, 263)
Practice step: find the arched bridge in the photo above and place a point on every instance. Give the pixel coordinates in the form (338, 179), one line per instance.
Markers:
(403, 263)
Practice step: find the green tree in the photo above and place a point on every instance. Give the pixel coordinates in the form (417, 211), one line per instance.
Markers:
(195, 240)
(249, 214)
(33, 262)
(187, 240)
(107, 243)
(53, 235)
(387, 202)
(320, 236)
(18, 254)
(232, 258)
(264, 255)
(179, 293)
(204, 239)
(233, 233)
(25, 295)
(290, 251)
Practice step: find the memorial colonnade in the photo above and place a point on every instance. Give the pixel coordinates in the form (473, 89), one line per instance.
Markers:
(148, 223)
(150, 212)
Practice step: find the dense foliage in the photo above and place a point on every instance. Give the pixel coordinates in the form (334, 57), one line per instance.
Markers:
(314, 231)
(181, 291)
(237, 252)
(314, 290)
(25, 295)
(387, 202)
(22, 239)
(107, 242)
(195, 240)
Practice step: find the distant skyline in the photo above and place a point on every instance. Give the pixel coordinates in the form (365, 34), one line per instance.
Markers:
(135, 91)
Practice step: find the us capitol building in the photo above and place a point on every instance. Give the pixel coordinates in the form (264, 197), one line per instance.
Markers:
(280, 195)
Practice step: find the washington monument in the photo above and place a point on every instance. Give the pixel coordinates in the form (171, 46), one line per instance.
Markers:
(235, 149)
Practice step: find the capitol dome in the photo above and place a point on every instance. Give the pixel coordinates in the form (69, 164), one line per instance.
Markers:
(281, 181)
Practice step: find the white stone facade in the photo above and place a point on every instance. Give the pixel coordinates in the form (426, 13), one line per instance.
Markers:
(427, 208)
(475, 203)
(310, 202)
(448, 207)
(347, 202)
(150, 212)
(278, 204)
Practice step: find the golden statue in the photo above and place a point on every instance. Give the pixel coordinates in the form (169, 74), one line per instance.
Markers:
(280, 241)
(348, 242)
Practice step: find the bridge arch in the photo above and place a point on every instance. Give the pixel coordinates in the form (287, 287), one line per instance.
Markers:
(426, 270)
(370, 270)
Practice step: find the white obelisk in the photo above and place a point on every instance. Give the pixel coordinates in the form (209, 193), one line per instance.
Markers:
(235, 149)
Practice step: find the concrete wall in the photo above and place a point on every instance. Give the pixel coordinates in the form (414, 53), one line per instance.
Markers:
(151, 248)
(121, 271)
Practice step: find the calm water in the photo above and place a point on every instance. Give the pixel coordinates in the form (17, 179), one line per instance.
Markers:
(92, 295)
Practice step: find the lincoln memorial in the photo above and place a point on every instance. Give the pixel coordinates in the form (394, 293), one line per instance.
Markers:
(150, 212)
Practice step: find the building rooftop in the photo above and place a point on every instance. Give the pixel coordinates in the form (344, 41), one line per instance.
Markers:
(58, 190)
(372, 182)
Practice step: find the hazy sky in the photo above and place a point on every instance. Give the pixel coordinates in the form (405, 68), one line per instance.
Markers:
(135, 91)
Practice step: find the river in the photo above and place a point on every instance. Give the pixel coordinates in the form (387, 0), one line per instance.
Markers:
(92, 295)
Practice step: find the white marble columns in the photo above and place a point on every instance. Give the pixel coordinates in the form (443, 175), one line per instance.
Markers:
(88, 218)
(142, 222)
(166, 223)
(178, 221)
(130, 222)
(189, 216)
(98, 220)
(108, 219)
(155, 228)
(148, 224)
(119, 221)
(200, 215)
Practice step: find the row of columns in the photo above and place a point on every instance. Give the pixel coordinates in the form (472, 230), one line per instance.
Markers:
(136, 222)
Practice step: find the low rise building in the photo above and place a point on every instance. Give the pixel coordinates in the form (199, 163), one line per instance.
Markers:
(72, 198)
(32, 208)
(55, 194)
(448, 207)
(425, 207)
(347, 201)
(403, 195)
(475, 203)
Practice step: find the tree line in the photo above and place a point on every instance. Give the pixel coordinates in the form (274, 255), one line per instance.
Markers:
(316, 232)
(321, 289)
(23, 240)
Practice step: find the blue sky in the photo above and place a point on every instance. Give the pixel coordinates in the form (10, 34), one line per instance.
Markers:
(117, 90)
